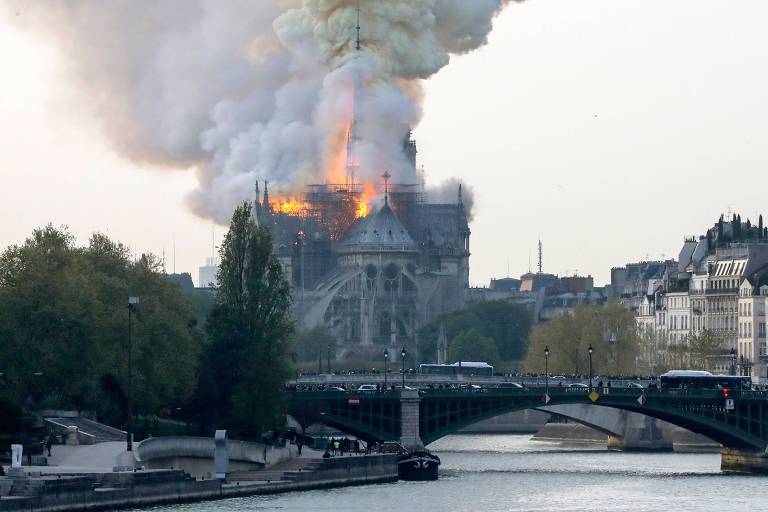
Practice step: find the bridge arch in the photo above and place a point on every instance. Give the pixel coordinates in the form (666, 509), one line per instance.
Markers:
(442, 412)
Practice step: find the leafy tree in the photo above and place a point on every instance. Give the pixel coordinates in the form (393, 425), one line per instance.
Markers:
(700, 346)
(63, 322)
(473, 346)
(611, 330)
(508, 325)
(310, 344)
(247, 361)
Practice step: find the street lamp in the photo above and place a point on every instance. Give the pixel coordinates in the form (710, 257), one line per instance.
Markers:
(328, 360)
(386, 359)
(402, 355)
(733, 361)
(590, 350)
(132, 303)
(546, 368)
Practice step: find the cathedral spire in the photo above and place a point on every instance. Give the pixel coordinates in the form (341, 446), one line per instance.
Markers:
(256, 203)
(353, 162)
(265, 203)
(357, 39)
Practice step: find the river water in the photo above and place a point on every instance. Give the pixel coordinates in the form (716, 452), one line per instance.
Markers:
(513, 473)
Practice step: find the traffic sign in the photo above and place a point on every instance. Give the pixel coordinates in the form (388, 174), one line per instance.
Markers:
(729, 404)
(546, 398)
(594, 395)
(641, 399)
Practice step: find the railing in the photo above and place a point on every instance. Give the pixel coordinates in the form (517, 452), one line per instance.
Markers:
(536, 391)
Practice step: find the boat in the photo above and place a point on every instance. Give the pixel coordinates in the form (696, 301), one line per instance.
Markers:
(417, 465)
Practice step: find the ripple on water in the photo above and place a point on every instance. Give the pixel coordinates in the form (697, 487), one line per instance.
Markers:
(512, 473)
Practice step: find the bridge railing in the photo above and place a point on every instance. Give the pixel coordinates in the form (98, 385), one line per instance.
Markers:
(556, 391)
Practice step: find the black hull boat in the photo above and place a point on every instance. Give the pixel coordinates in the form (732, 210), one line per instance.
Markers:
(417, 465)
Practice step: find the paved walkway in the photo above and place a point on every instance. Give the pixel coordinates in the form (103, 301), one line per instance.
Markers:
(95, 458)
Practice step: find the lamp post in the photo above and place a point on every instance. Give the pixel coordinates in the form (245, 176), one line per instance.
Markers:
(402, 356)
(386, 369)
(733, 361)
(590, 350)
(546, 368)
(132, 303)
(328, 360)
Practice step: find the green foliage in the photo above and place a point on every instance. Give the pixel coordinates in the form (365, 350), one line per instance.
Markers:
(611, 331)
(473, 346)
(697, 347)
(508, 325)
(310, 344)
(63, 322)
(247, 360)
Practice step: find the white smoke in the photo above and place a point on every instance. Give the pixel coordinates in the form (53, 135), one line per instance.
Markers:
(263, 89)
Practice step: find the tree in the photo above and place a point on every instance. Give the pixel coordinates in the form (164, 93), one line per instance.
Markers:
(473, 346)
(63, 322)
(699, 347)
(611, 330)
(507, 324)
(309, 344)
(247, 360)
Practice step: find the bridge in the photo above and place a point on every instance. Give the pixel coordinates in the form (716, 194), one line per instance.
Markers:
(416, 418)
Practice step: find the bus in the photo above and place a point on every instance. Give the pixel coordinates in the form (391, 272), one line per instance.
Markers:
(695, 379)
(460, 368)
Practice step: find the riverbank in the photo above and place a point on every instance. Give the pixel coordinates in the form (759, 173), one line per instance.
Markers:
(105, 491)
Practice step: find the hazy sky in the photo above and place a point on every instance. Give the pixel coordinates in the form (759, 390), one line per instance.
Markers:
(609, 128)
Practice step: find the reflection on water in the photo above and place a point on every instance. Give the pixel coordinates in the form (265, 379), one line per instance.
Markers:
(513, 473)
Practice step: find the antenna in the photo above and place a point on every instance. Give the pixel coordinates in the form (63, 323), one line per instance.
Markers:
(540, 255)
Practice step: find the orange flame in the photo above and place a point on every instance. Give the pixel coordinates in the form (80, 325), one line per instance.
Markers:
(288, 206)
(363, 208)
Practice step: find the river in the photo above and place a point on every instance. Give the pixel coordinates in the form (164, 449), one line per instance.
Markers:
(492, 473)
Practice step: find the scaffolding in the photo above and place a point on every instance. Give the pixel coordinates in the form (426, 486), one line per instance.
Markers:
(334, 207)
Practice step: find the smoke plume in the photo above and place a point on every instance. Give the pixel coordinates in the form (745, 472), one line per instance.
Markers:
(264, 89)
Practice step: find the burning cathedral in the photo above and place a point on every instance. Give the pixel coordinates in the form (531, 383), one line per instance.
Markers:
(371, 259)
(373, 262)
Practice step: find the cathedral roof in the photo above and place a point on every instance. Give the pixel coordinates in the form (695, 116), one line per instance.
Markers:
(381, 231)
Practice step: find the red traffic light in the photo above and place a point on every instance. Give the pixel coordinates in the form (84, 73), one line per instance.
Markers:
(725, 392)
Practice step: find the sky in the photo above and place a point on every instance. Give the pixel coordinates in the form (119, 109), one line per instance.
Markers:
(610, 129)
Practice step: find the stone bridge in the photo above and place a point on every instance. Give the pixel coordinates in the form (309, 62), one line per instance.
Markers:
(418, 417)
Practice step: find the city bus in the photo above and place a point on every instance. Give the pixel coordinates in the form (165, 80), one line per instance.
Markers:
(695, 379)
(462, 368)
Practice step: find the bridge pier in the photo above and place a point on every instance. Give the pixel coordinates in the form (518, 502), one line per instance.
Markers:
(642, 433)
(743, 461)
(409, 419)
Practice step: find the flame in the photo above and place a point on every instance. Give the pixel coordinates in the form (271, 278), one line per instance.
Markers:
(362, 210)
(288, 206)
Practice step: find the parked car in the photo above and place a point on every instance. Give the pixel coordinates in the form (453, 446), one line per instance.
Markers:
(576, 387)
(510, 385)
(367, 387)
(635, 385)
(335, 388)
